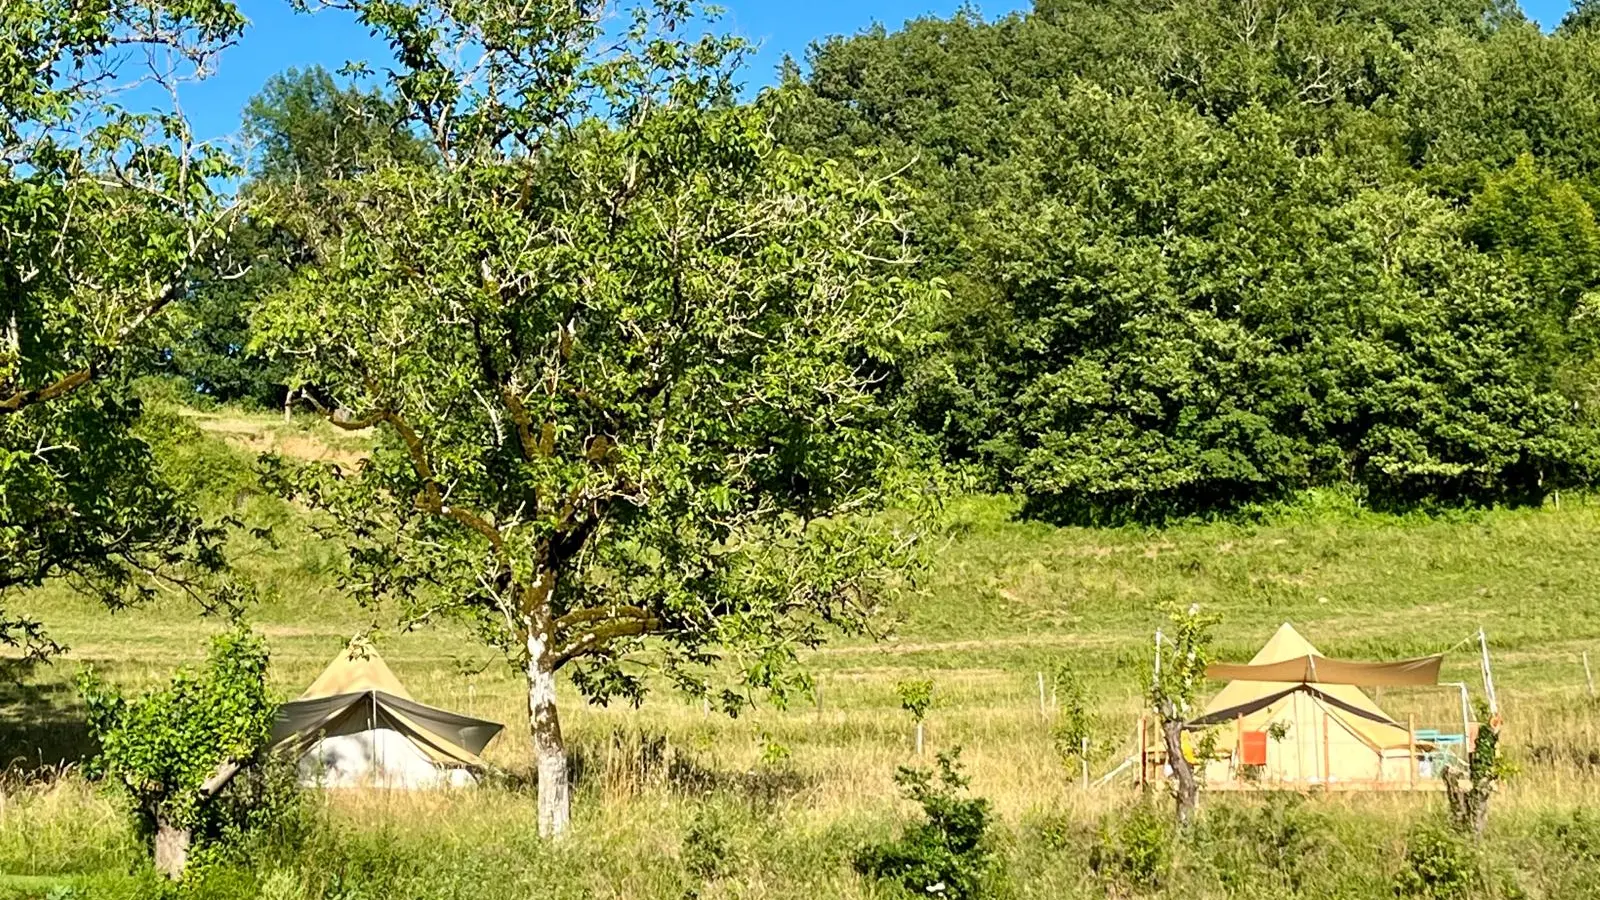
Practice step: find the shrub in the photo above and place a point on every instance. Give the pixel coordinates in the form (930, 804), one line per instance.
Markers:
(1439, 865)
(946, 855)
(1135, 850)
(707, 852)
(1280, 842)
(171, 751)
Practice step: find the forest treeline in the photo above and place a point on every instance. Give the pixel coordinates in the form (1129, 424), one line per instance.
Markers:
(1194, 255)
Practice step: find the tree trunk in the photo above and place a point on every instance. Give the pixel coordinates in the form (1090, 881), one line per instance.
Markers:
(171, 849)
(549, 750)
(1188, 790)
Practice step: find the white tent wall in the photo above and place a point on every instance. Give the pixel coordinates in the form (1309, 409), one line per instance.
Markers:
(357, 726)
(367, 748)
(376, 757)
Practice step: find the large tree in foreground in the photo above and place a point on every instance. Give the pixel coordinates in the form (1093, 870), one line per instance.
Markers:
(106, 215)
(625, 351)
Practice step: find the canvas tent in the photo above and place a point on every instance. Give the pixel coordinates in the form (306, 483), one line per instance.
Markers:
(1297, 717)
(357, 725)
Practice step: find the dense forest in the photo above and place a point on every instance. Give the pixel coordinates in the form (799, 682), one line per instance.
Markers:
(1207, 253)
(1193, 255)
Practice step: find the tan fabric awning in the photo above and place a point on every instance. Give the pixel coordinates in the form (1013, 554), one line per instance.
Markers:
(1313, 669)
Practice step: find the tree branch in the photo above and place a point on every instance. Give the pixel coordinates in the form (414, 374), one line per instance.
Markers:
(604, 632)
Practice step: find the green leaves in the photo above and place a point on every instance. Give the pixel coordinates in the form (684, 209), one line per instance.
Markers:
(629, 355)
(1197, 263)
(105, 217)
(164, 746)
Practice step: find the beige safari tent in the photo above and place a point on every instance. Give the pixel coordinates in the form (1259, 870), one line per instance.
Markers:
(1293, 717)
(357, 725)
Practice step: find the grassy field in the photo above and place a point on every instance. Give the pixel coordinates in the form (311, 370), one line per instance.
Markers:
(784, 797)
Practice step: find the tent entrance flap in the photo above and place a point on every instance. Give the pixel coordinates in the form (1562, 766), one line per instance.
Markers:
(1313, 669)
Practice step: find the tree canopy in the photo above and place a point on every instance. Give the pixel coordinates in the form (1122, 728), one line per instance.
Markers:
(626, 353)
(1205, 254)
(303, 129)
(106, 216)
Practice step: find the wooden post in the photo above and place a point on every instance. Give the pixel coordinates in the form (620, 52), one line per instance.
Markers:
(1588, 675)
(1083, 759)
(819, 698)
(1238, 745)
(1299, 744)
(1144, 752)
(1327, 762)
(919, 737)
(1411, 750)
(1043, 714)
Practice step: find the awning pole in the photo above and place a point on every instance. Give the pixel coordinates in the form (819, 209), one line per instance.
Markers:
(1488, 673)
(1466, 714)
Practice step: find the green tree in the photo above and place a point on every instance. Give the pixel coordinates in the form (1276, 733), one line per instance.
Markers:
(916, 698)
(1583, 16)
(106, 216)
(172, 750)
(1204, 255)
(626, 352)
(1183, 650)
(305, 129)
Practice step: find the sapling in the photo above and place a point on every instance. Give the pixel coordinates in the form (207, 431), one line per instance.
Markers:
(1182, 656)
(916, 697)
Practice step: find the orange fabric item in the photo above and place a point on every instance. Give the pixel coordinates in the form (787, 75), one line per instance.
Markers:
(1253, 748)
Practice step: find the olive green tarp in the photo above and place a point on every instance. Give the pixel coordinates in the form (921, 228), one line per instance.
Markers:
(1314, 669)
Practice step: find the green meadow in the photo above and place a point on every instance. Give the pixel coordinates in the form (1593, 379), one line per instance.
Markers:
(674, 800)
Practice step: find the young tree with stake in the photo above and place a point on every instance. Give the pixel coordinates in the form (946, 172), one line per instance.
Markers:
(625, 353)
(916, 698)
(1183, 651)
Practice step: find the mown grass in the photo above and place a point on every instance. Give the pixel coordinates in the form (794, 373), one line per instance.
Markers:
(796, 791)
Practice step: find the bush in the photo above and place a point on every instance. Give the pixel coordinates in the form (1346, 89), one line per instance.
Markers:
(171, 751)
(1280, 842)
(1135, 850)
(707, 851)
(948, 854)
(1439, 865)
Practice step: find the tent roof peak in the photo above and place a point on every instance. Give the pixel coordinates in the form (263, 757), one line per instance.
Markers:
(356, 669)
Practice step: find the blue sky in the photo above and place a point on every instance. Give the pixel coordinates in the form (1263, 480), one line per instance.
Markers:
(278, 39)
